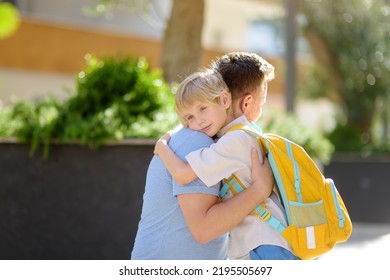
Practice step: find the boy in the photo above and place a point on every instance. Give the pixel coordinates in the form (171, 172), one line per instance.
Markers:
(203, 103)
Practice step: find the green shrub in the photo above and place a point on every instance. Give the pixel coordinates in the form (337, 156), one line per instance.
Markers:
(8, 125)
(116, 98)
(347, 138)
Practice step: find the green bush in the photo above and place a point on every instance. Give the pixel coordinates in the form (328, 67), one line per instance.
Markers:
(288, 126)
(347, 138)
(116, 98)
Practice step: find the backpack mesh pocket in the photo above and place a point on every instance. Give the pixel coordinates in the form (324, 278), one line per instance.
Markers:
(307, 214)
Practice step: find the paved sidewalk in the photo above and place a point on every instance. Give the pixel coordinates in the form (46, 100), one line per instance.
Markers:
(368, 241)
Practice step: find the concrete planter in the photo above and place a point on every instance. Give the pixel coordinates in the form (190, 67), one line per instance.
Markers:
(77, 204)
(85, 204)
(364, 184)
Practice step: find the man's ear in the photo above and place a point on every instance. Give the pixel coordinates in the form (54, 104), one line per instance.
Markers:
(246, 103)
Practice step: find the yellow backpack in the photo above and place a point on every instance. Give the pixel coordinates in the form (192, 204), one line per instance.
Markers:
(317, 218)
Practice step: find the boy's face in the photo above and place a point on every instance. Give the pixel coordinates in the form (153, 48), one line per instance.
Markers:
(259, 99)
(206, 117)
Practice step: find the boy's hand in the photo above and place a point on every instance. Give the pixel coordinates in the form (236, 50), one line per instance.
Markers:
(163, 141)
(262, 176)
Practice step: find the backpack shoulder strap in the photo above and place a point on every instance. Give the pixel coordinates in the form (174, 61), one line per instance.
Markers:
(236, 186)
(254, 131)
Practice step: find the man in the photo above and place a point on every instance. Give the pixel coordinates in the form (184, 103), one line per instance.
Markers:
(189, 222)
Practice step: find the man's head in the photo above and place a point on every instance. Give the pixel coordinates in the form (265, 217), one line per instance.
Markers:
(246, 75)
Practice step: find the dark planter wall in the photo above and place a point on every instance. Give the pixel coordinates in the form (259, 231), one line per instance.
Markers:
(364, 184)
(77, 204)
(85, 204)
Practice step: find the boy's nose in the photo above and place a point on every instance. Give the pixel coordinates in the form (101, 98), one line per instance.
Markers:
(200, 121)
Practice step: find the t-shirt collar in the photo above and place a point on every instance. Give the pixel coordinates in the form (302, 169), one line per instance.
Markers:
(239, 120)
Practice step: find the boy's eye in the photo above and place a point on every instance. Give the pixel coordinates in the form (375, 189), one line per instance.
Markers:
(188, 118)
(203, 108)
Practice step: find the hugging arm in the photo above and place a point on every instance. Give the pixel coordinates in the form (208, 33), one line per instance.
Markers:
(181, 171)
(207, 218)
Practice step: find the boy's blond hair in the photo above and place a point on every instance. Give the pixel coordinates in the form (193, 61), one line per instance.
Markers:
(203, 86)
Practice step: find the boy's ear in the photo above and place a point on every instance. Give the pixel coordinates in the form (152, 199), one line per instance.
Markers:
(226, 99)
(246, 103)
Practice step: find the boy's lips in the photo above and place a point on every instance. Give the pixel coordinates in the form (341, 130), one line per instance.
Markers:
(206, 128)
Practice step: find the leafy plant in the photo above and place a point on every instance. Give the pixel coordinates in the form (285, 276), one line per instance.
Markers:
(116, 98)
(9, 19)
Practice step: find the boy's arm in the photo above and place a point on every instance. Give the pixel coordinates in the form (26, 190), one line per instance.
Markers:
(181, 171)
(208, 219)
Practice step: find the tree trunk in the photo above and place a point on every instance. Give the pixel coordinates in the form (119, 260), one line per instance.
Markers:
(182, 46)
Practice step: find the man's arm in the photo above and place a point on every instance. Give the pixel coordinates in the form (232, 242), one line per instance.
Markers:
(207, 218)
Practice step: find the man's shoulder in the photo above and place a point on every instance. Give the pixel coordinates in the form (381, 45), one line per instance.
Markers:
(190, 137)
(187, 132)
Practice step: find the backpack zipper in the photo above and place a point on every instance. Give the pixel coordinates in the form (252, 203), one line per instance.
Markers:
(336, 203)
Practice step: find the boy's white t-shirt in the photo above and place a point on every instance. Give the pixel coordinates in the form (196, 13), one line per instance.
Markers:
(232, 154)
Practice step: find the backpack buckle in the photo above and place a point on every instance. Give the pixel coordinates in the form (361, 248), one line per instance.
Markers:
(262, 212)
(265, 214)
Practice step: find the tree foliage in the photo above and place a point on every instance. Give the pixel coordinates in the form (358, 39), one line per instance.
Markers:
(9, 19)
(351, 40)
